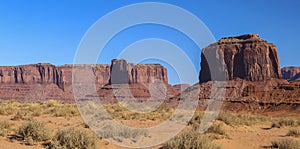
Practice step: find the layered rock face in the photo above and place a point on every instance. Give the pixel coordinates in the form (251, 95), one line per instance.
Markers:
(245, 57)
(45, 81)
(123, 73)
(246, 74)
(291, 73)
(135, 83)
(31, 74)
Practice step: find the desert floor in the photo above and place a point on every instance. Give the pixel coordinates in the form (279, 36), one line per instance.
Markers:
(232, 131)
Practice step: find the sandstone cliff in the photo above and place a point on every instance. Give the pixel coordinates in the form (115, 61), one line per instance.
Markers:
(245, 57)
(123, 72)
(291, 73)
(45, 81)
(251, 79)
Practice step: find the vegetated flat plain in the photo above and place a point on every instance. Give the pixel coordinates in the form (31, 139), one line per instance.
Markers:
(45, 124)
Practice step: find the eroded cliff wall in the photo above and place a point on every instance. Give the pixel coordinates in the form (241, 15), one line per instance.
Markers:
(246, 57)
(45, 81)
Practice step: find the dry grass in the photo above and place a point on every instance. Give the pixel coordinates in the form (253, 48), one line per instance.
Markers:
(289, 122)
(33, 131)
(217, 129)
(17, 112)
(25, 110)
(294, 132)
(190, 140)
(121, 113)
(74, 138)
(286, 144)
(241, 119)
(5, 127)
(121, 133)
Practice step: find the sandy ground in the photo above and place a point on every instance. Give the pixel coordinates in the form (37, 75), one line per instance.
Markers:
(246, 137)
(252, 137)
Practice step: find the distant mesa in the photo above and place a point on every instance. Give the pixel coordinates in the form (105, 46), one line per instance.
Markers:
(181, 87)
(26, 81)
(245, 57)
(291, 73)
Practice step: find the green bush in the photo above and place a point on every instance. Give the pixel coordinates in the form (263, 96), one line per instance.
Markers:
(190, 140)
(33, 130)
(74, 139)
(286, 144)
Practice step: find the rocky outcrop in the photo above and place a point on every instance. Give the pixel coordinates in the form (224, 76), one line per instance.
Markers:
(245, 57)
(31, 74)
(135, 83)
(45, 81)
(243, 72)
(123, 72)
(291, 73)
(181, 87)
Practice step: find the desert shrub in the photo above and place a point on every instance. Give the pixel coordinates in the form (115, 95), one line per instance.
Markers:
(2, 110)
(275, 125)
(33, 130)
(294, 132)
(286, 144)
(4, 128)
(20, 115)
(217, 128)
(68, 110)
(74, 138)
(288, 122)
(52, 103)
(35, 110)
(6, 109)
(228, 118)
(119, 133)
(191, 140)
(119, 112)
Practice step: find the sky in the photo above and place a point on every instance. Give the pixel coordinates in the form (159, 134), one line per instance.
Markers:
(35, 31)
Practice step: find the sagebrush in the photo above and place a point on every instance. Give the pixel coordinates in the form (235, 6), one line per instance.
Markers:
(72, 138)
(33, 130)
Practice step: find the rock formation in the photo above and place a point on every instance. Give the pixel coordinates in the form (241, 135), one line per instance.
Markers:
(291, 73)
(247, 70)
(45, 81)
(123, 72)
(181, 87)
(245, 57)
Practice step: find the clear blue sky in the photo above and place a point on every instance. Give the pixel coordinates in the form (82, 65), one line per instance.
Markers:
(35, 31)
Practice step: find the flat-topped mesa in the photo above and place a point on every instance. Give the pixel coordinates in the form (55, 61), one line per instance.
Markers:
(291, 73)
(55, 82)
(31, 74)
(123, 72)
(242, 38)
(246, 57)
